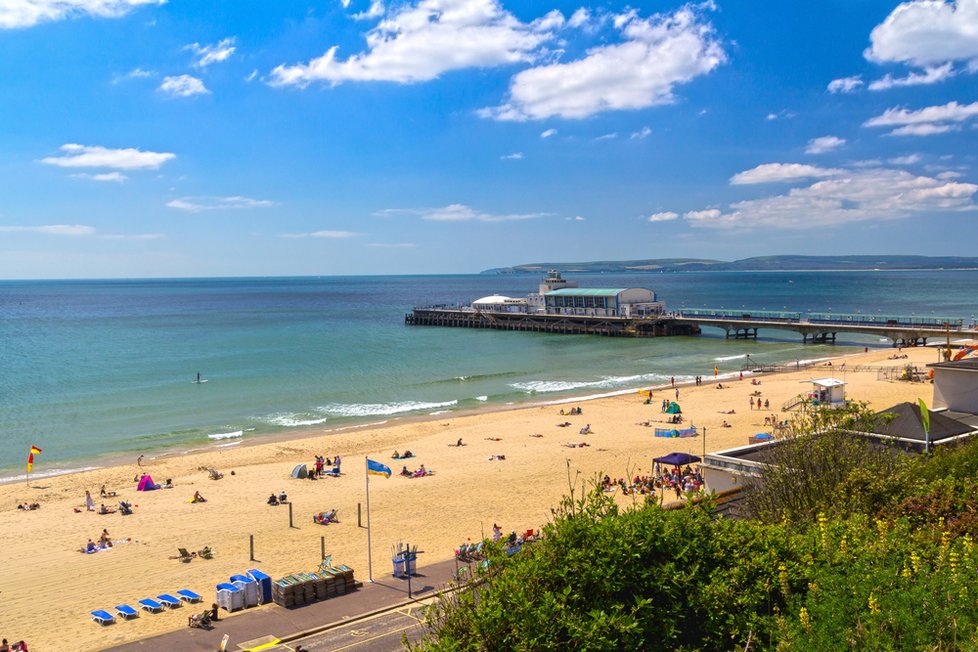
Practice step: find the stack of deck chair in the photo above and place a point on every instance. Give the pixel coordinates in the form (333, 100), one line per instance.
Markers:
(303, 588)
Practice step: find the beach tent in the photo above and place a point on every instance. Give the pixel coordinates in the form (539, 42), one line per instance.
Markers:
(760, 437)
(674, 408)
(146, 484)
(676, 459)
(300, 472)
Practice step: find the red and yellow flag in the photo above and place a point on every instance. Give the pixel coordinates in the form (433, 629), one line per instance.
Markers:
(30, 457)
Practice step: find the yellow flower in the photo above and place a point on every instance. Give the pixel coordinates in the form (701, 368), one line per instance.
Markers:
(874, 604)
(805, 618)
(915, 561)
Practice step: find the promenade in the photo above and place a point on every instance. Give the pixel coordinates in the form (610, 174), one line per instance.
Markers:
(309, 623)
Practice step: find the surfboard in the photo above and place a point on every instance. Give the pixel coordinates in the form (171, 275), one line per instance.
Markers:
(197, 382)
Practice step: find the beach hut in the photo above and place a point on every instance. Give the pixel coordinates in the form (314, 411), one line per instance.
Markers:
(300, 472)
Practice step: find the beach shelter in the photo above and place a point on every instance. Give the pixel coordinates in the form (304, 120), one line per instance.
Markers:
(300, 472)
(904, 420)
(676, 459)
(674, 408)
(146, 484)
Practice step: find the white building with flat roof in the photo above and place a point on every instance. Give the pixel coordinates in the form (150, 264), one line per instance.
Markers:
(603, 302)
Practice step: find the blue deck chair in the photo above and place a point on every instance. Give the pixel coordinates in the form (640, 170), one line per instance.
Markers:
(126, 611)
(103, 617)
(169, 600)
(189, 596)
(149, 604)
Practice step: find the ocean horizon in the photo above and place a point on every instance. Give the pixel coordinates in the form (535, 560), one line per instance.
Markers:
(97, 368)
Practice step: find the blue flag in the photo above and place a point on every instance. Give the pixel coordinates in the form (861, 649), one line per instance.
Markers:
(376, 468)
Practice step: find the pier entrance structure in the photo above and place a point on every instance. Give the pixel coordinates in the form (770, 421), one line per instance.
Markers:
(821, 328)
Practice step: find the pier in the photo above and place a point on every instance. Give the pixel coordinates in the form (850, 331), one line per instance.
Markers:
(815, 328)
(608, 326)
(822, 328)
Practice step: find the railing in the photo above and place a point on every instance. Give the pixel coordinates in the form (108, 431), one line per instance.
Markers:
(821, 318)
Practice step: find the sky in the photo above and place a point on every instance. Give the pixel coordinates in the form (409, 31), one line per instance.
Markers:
(175, 138)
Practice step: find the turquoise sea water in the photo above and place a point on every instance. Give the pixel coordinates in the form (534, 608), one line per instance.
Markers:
(92, 368)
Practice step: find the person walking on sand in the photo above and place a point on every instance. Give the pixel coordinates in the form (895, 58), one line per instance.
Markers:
(89, 502)
(139, 461)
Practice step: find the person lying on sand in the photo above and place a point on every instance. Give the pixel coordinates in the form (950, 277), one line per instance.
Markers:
(536, 435)
(493, 438)
(29, 507)
(564, 424)
(724, 425)
(325, 518)
(576, 444)
(728, 411)
(496, 457)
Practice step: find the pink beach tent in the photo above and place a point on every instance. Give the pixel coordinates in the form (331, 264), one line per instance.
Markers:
(146, 484)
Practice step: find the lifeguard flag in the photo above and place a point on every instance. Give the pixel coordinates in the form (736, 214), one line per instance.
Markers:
(30, 458)
(376, 468)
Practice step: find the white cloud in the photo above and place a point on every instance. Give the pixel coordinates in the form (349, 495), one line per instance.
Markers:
(208, 54)
(927, 33)
(824, 144)
(654, 56)
(345, 3)
(780, 173)
(459, 213)
(845, 84)
(704, 215)
(183, 86)
(330, 235)
(375, 10)
(909, 159)
(576, 218)
(393, 245)
(135, 73)
(419, 41)
(931, 75)
(784, 113)
(923, 130)
(251, 77)
(950, 112)
(928, 121)
(27, 13)
(580, 18)
(51, 229)
(116, 177)
(548, 133)
(641, 134)
(235, 202)
(515, 156)
(853, 196)
(85, 156)
(611, 136)
(665, 216)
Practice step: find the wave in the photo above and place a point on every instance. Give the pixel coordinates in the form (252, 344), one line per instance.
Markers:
(227, 435)
(482, 398)
(294, 420)
(230, 443)
(374, 409)
(547, 386)
(727, 358)
(47, 473)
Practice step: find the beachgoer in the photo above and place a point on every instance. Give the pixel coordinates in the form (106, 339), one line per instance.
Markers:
(90, 546)
(198, 376)
(139, 461)
(677, 393)
(405, 472)
(198, 498)
(396, 455)
(273, 500)
(282, 498)
(459, 442)
(497, 532)
(767, 403)
(89, 502)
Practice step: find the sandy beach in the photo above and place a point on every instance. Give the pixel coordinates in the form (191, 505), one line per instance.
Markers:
(44, 573)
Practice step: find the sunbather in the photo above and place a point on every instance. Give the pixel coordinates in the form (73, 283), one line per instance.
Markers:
(405, 472)
(273, 500)
(325, 518)
(106, 510)
(198, 498)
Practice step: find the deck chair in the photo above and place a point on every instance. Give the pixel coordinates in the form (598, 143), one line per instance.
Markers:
(185, 556)
(189, 596)
(151, 605)
(215, 474)
(169, 600)
(326, 563)
(206, 553)
(103, 617)
(126, 612)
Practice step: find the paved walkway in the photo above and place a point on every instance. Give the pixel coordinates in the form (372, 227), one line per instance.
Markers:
(285, 624)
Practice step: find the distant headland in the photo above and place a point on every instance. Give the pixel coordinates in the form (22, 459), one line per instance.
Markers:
(756, 264)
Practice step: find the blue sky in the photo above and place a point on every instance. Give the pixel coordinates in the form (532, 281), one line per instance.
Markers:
(144, 138)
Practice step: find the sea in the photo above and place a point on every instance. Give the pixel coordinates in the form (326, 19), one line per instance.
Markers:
(98, 370)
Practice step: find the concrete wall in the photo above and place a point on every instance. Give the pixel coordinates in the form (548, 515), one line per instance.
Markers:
(956, 389)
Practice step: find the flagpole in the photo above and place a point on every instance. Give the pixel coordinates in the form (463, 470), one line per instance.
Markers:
(370, 566)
